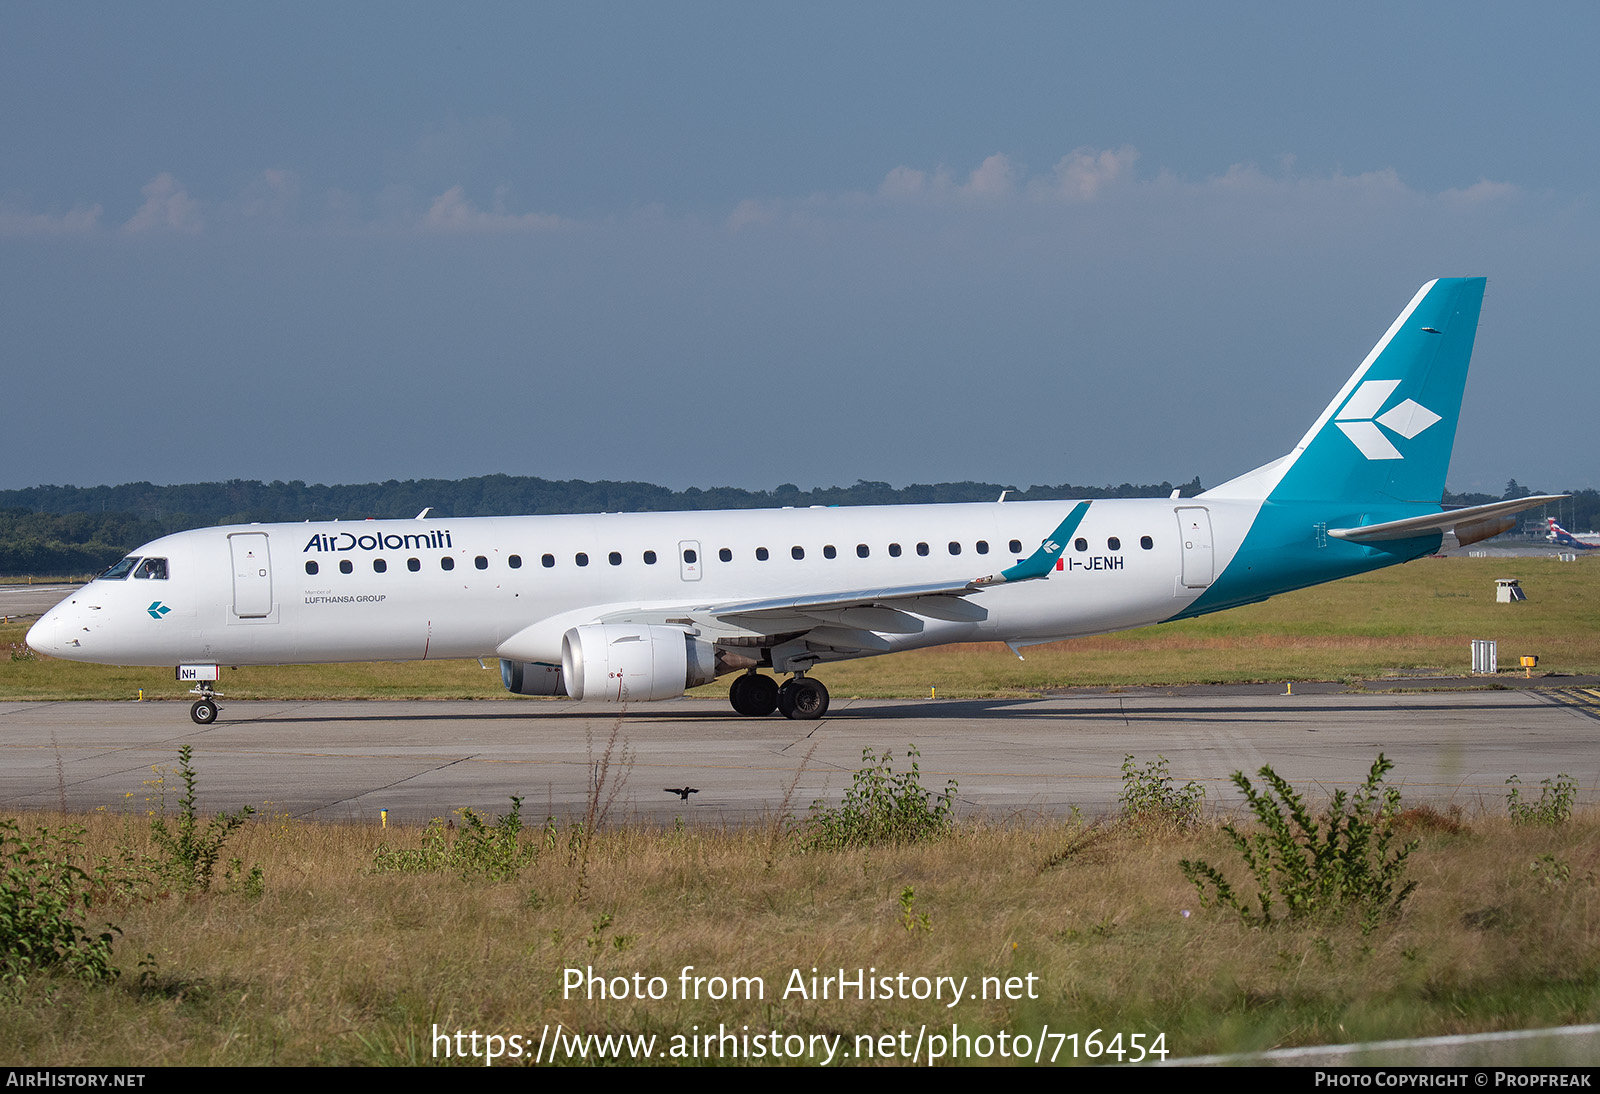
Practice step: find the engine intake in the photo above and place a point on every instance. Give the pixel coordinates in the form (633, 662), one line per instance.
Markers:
(531, 678)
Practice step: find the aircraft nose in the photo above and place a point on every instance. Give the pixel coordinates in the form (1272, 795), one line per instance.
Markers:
(44, 636)
(54, 634)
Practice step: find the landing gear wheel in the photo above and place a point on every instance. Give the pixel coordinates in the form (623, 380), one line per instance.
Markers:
(204, 712)
(754, 695)
(803, 699)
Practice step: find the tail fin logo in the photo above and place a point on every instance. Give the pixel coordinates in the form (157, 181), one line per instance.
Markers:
(1359, 419)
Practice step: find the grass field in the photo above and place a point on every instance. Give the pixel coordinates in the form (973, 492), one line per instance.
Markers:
(330, 961)
(1409, 619)
(326, 958)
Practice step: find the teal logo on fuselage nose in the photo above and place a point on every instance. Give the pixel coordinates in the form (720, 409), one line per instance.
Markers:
(157, 609)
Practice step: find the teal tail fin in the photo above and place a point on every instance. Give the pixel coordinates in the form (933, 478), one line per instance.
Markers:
(1387, 435)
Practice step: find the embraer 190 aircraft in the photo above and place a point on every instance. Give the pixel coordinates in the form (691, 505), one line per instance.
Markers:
(642, 606)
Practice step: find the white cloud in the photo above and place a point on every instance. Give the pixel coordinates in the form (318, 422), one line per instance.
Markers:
(1083, 173)
(903, 182)
(452, 212)
(167, 206)
(993, 178)
(750, 211)
(1481, 192)
(271, 196)
(80, 220)
(1090, 175)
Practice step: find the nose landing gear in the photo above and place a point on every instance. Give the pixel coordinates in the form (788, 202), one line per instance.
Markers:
(202, 676)
(204, 711)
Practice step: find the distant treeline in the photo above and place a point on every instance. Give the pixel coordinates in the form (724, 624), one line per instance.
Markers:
(76, 530)
(79, 530)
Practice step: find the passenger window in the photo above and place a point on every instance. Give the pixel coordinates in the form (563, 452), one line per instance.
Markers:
(830, 551)
(955, 548)
(1113, 544)
(481, 563)
(894, 550)
(581, 559)
(983, 546)
(547, 561)
(1146, 542)
(797, 552)
(345, 566)
(311, 567)
(379, 566)
(447, 563)
(1080, 544)
(615, 558)
(152, 568)
(515, 562)
(413, 564)
(725, 555)
(690, 555)
(1015, 546)
(761, 554)
(862, 550)
(922, 549)
(649, 558)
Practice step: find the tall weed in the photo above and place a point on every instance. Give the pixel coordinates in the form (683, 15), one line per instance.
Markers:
(191, 852)
(1307, 868)
(488, 848)
(44, 898)
(882, 806)
(1149, 799)
(1553, 807)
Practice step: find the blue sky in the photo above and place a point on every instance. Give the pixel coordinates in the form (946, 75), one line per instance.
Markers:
(704, 244)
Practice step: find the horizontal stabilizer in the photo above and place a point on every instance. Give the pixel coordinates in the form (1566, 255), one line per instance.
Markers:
(1468, 525)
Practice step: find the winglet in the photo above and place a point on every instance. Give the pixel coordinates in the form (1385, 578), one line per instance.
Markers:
(1040, 563)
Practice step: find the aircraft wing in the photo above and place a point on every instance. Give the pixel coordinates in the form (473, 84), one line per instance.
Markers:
(852, 619)
(1477, 522)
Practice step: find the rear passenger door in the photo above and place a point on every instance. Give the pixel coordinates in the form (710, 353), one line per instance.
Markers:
(1194, 535)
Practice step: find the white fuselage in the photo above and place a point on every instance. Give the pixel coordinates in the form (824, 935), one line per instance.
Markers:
(381, 589)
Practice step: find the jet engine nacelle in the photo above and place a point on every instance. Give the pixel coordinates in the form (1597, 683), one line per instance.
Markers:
(618, 662)
(531, 678)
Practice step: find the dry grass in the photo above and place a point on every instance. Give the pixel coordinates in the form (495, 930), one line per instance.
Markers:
(334, 963)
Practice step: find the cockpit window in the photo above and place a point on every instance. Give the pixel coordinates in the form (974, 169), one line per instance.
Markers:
(152, 568)
(121, 569)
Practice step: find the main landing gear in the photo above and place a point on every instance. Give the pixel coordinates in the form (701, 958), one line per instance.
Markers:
(800, 697)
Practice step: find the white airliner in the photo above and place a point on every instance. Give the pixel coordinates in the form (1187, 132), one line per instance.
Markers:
(619, 607)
